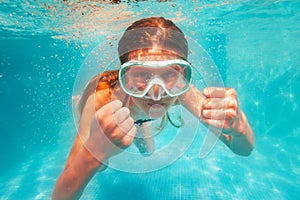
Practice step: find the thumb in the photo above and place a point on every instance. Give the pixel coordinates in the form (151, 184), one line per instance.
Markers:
(112, 107)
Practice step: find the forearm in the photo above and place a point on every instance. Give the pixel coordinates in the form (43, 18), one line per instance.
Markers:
(218, 108)
(76, 176)
(240, 138)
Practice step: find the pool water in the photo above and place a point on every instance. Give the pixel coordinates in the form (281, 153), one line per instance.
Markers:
(255, 45)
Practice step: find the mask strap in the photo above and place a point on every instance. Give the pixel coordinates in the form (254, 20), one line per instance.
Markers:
(125, 99)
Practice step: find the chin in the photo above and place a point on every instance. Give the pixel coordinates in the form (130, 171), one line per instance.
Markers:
(156, 112)
(154, 109)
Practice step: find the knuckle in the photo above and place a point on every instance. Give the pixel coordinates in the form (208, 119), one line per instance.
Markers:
(206, 103)
(133, 131)
(231, 91)
(106, 125)
(207, 91)
(98, 114)
(126, 110)
(232, 103)
(113, 136)
(127, 141)
(226, 125)
(123, 111)
(115, 105)
(230, 113)
(130, 121)
(235, 104)
(121, 115)
(126, 125)
(99, 119)
(206, 113)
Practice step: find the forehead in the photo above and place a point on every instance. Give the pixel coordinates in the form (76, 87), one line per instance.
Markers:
(152, 54)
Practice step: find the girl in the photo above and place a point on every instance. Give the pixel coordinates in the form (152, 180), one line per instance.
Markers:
(116, 105)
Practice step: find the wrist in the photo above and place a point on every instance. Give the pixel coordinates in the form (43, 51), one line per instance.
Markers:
(97, 156)
(92, 162)
(239, 125)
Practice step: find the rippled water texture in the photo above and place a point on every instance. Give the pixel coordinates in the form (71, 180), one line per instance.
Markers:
(255, 45)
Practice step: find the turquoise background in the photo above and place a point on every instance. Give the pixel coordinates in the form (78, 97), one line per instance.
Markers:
(255, 45)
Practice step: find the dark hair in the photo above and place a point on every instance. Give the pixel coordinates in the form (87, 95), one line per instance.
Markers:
(142, 33)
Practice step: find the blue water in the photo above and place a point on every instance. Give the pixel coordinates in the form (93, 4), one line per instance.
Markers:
(255, 45)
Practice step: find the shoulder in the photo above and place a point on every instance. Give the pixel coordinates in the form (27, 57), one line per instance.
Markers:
(107, 79)
(102, 87)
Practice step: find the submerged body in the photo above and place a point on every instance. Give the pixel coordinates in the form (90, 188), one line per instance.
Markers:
(109, 112)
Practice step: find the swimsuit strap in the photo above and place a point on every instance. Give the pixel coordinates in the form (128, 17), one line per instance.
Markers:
(173, 124)
(125, 100)
(140, 122)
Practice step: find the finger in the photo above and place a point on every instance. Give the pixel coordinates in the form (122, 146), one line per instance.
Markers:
(128, 139)
(219, 103)
(219, 114)
(232, 102)
(230, 92)
(121, 115)
(126, 125)
(103, 115)
(119, 130)
(221, 124)
(132, 131)
(109, 108)
(115, 105)
(219, 92)
(115, 136)
(214, 103)
(214, 92)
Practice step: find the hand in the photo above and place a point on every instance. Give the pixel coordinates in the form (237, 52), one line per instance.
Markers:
(112, 130)
(220, 108)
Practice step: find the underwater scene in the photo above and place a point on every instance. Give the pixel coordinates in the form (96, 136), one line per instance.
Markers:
(49, 50)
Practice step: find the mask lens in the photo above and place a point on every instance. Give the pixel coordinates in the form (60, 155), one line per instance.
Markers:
(175, 79)
(137, 78)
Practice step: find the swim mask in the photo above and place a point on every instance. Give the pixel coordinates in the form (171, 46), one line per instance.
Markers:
(169, 77)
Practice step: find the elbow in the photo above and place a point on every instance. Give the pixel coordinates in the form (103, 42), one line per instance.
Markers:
(55, 194)
(244, 154)
(246, 151)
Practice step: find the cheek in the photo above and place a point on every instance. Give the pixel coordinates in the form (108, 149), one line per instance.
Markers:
(169, 103)
(141, 103)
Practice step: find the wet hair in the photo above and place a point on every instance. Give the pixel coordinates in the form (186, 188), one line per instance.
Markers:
(154, 32)
(151, 32)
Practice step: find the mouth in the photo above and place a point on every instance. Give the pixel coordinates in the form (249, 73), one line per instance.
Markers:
(152, 103)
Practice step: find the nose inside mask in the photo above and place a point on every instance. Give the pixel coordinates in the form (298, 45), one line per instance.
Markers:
(156, 92)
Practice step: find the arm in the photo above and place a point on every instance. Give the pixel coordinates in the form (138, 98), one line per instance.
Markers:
(218, 107)
(99, 137)
(81, 164)
(81, 167)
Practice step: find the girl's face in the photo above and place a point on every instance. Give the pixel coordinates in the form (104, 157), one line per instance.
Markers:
(153, 108)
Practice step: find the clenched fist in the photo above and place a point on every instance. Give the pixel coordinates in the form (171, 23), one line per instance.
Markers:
(220, 108)
(112, 130)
